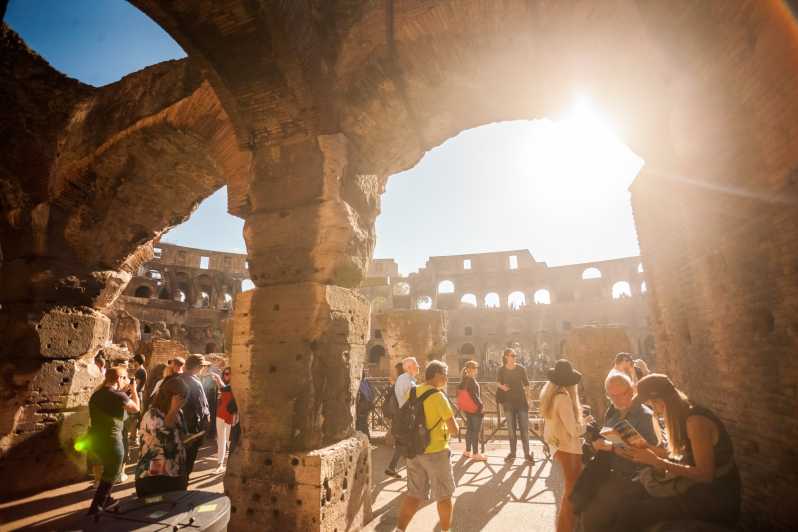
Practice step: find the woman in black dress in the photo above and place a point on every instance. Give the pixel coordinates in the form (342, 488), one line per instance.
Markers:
(107, 408)
(700, 458)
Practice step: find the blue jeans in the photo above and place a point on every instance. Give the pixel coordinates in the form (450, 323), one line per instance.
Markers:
(473, 426)
(519, 417)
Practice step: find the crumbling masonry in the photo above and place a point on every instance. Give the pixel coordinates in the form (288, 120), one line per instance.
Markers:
(304, 109)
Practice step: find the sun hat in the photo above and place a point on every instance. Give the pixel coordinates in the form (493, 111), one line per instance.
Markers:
(563, 374)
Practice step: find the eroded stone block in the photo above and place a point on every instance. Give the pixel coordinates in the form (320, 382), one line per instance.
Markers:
(322, 490)
(297, 354)
(70, 333)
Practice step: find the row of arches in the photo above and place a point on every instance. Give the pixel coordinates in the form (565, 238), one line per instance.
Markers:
(517, 299)
(447, 287)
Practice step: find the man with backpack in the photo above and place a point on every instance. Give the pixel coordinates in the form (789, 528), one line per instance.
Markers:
(425, 422)
(406, 372)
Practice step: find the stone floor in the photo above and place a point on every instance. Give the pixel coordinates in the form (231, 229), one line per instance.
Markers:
(490, 496)
(59, 508)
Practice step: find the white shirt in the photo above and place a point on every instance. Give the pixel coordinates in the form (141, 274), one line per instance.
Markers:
(563, 431)
(402, 387)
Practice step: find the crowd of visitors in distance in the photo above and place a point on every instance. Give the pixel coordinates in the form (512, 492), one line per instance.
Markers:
(168, 412)
(655, 456)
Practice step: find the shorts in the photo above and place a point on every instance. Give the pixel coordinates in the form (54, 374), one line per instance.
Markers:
(429, 476)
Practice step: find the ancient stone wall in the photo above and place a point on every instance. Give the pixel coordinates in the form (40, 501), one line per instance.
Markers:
(403, 333)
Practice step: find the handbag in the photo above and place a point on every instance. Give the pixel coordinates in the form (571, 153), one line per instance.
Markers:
(658, 485)
(465, 402)
(590, 480)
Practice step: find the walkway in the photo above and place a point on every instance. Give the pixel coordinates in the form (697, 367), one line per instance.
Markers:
(59, 508)
(490, 496)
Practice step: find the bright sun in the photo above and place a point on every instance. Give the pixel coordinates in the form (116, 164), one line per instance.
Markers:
(581, 156)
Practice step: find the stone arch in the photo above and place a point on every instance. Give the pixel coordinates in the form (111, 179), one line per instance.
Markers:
(621, 290)
(542, 297)
(423, 302)
(516, 300)
(492, 300)
(467, 349)
(446, 287)
(469, 300)
(376, 354)
(591, 273)
(143, 290)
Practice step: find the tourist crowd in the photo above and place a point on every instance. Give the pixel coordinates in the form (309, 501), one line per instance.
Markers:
(655, 455)
(168, 413)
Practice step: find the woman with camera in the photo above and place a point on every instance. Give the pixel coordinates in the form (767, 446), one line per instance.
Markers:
(107, 408)
(699, 477)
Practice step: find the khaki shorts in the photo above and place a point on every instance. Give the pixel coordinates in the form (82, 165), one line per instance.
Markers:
(429, 476)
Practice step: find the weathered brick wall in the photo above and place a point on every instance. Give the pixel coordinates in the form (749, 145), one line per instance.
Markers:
(160, 351)
(723, 273)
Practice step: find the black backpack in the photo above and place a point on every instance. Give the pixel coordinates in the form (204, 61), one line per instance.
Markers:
(390, 405)
(410, 428)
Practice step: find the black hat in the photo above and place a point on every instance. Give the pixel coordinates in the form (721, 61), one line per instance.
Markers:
(563, 374)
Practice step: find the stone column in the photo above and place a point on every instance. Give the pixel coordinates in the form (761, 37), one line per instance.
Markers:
(298, 343)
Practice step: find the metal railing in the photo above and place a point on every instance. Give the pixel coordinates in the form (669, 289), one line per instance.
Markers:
(494, 423)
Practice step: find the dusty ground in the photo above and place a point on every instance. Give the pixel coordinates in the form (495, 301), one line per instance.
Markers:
(490, 496)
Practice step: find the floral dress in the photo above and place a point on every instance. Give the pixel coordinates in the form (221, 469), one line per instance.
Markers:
(162, 451)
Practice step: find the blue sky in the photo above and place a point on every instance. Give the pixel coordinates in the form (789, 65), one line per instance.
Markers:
(558, 189)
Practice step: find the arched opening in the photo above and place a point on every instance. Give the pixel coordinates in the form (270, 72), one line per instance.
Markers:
(492, 300)
(180, 295)
(643, 287)
(516, 300)
(640, 268)
(424, 303)
(468, 331)
(211, 347)
(247, 285)
(467, 349)
(227, 301)
(446, 287)
(468, 301)
(143, 291)
(164, 293)
(621, 290)
(204, 300)
(376, 354)
(401, 289)
(591, 273)
(542, 297)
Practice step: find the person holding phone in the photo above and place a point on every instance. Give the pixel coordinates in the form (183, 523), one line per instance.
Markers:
(107, 408)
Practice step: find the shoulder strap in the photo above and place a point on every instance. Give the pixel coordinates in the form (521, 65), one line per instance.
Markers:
(426, 394)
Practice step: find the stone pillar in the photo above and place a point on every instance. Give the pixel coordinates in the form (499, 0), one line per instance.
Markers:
(298, 343)
(592, 350)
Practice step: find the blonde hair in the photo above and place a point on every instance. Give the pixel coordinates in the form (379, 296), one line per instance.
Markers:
(471, 364)
(550, 391)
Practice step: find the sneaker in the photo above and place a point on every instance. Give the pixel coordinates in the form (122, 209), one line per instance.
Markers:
(509, 458)
(110, 505)
(479, 458)
(529, 459)
(392, 473)
(123, 477)
(219, 470)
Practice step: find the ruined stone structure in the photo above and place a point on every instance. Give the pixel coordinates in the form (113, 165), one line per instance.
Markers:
(397, 334)
(183, 294)
(495, 300)
(305, 109)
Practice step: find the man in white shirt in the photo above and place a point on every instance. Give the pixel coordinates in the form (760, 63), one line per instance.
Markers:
(406, 380)
(401, 388)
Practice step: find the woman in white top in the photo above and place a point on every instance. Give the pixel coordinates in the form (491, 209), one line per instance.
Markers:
(564, 426)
